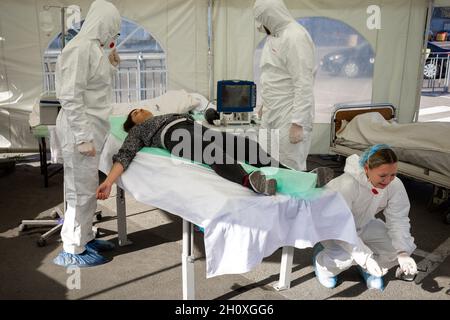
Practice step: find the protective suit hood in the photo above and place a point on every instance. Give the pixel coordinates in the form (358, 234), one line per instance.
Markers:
(273, 14)
(102, 22)
(353, 168)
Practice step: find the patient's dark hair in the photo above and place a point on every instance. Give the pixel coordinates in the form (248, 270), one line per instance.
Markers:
(128, 124)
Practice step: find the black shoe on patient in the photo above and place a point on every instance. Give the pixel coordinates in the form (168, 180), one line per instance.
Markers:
(324, 175)
(260, 184)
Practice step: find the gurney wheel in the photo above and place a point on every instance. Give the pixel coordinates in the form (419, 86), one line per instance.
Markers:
(41, 242)
(439, 197)
(98, 216)
(447, 217)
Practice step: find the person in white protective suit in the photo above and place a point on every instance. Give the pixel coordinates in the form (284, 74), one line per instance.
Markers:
(287, 80)
(369, 185)
(84, 74)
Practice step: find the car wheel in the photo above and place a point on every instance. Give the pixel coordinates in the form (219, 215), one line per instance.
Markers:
(429, 70)
(351, 69)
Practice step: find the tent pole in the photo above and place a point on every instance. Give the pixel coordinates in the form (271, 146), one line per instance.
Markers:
(210, 51)
(422, 61)
(63, 27)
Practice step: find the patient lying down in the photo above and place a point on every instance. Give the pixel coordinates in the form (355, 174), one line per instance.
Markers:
(183, 137)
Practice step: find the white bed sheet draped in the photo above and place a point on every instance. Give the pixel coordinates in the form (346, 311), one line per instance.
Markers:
(425, 144)
(241, 227)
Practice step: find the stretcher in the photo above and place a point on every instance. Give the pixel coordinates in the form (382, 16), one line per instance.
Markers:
(416, 164)
(240, 226)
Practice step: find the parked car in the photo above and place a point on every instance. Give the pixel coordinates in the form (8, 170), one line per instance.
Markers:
(435, 66)
(351, 62)
(359, 60)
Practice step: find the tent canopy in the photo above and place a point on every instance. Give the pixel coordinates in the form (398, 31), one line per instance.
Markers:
(181, 28)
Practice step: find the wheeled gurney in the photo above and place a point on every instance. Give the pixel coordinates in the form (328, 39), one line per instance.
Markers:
(417, 162)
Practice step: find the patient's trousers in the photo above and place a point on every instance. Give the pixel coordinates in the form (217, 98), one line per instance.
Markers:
(221, 150)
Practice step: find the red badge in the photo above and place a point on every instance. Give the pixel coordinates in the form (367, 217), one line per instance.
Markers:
(111, 45)
(374, 191)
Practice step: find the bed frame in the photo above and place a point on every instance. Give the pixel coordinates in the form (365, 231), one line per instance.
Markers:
(341, 112)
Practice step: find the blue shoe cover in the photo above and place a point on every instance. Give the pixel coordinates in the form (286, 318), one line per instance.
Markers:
(85, 259)
(326, 281)
(372, 282)
(100, 245)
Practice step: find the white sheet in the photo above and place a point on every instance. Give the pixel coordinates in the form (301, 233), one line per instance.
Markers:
(370, 127)
(425, 144)
(173, 101)
(241, 227)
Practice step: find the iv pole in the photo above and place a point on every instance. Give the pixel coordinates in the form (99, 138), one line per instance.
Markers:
(63, 23)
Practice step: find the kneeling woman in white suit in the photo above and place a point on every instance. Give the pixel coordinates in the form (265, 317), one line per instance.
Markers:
(369, 185)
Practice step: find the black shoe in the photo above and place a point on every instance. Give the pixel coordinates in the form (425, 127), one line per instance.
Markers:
(324, 175)
(260, 184)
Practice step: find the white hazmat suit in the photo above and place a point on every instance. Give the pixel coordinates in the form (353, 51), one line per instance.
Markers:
(384, 242)
(287, 80)
(83, 86)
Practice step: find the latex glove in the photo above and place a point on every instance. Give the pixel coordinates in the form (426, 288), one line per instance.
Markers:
(87, 149)
(407, 264)
(260, 112)
(295, 133)
(373, 267)
(103, 191)
(114, 58)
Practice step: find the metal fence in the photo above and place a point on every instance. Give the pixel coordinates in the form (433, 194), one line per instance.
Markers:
(436, 73)
(140, 76)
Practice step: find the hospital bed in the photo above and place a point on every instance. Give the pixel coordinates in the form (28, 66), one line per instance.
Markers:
(418, 163)
(240, 226)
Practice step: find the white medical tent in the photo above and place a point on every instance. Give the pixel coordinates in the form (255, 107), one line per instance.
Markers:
(205, 41)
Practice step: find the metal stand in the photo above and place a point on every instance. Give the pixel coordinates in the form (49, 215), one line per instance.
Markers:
(187, 256)
(187, 261)
(287, 257)
(43, 162)
(56, 223)
(122, 218)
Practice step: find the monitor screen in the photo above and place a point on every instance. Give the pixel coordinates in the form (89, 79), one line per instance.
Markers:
(236, 96)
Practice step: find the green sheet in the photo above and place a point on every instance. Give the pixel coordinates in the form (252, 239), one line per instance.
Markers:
(40, 131)
(291, 182)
